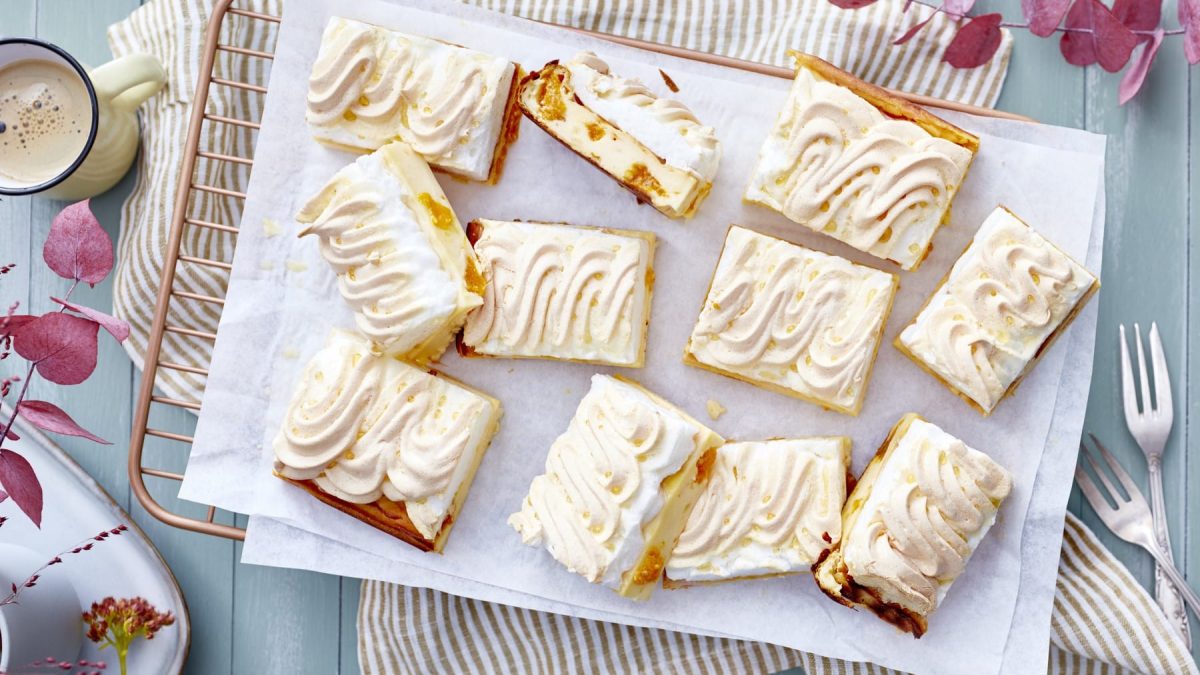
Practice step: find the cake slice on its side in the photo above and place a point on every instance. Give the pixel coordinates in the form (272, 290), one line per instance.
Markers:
(559, 291)
(855, 162)
(792, 320)
(402, 261)
(770, 508)
(653, 146)
(1003, 303)
(618, 487)
(389, 444)
(455, 106)
(910, 525)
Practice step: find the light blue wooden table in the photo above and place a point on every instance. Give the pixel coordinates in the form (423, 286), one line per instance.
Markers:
(255, 620)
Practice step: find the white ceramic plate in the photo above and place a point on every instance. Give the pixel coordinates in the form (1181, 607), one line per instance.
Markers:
(76, 507)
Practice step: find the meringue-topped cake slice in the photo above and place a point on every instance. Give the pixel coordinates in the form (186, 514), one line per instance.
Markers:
(792, 320)
(402, 260)
(390, 444)
(653, 146)
(770, 508)
(618, 487)
(455, 106)
(559, 291)
(910, 525)
(1004, 302)
(855, 162)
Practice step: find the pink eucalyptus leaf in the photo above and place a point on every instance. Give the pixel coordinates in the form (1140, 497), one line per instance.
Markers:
(976, 42)
(1133, 78)
(912, 32)
(118, 328)
(3, 495)
(852, 4)
(12, 436)
(1189, 19)
(1098, 37)
(1044, 15)
(957, 8)
(49, 417)
(62, 346)
(77, 247)
(1138, 14)
(21, 483)
(9, 324)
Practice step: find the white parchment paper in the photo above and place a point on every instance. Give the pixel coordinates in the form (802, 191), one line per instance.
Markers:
(282, 303)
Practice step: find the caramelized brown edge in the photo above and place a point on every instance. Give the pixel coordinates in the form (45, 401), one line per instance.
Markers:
(382, 514)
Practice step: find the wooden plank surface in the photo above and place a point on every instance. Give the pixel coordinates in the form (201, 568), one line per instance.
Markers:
(248, 619)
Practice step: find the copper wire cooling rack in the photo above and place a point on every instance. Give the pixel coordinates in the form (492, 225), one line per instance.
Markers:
(189, 189)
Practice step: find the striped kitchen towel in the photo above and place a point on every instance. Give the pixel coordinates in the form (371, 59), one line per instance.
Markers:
(1103, 623)
(173, 30)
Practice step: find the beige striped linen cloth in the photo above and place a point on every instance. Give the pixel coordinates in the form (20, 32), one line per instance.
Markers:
(1103, 621)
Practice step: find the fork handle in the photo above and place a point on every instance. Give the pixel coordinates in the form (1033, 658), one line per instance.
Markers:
(1173, 574)
(1164, 591)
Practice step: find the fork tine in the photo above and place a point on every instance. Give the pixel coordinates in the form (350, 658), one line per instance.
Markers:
(1127, 393)
(1162, 379)
(1118, 497)
(1131, 487)
(1143, 376)
(1092, 493)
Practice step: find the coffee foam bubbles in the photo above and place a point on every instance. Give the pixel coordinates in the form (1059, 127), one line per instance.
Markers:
(45, 116)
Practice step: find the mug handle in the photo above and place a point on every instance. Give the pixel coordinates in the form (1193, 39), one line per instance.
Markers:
(128, 81)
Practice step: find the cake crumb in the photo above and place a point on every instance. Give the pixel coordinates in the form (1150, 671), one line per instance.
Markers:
(714, 408)
(296, 266)
(271, 228)
(266, 265)
(668, 81)
(289, 353)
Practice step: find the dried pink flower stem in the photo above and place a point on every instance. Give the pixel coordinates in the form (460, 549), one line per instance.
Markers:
(28, 378)
(85, 545)
(938, 9)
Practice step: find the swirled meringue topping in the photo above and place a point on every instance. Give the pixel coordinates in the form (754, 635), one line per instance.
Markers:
(402, 261)
(602, 484)
(928, 506)
(836, 164)
(370, 85)
(771, 507)
(666, 126)
(793, 319)
(364, 426)
(1003, 300)
(562, 292)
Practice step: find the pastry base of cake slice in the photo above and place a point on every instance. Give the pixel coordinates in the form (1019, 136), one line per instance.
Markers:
(510, 128)
(679, 492)
(547, 98)
(830, 572)
(391, 516)
(475, 231)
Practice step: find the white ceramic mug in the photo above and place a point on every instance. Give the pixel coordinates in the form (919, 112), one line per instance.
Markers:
(47, 620)
(106, 113)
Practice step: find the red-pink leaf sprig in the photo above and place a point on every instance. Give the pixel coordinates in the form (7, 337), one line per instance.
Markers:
(77, 248)
(62, 347)
(1097, 37)
(21, 483)
(118, 328)
(1131, 81)
(1189, 19)
(976, 43)
(49, 417)
(1044, 16)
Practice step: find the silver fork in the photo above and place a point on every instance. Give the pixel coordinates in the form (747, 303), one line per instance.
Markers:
(1150, 428)
(1129, 515)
